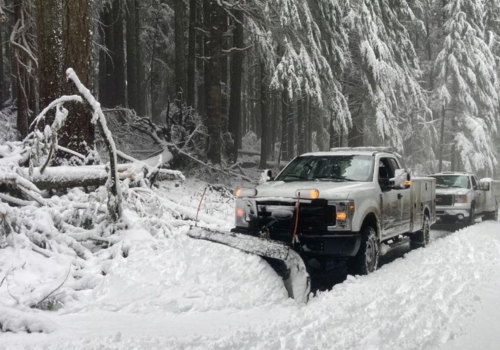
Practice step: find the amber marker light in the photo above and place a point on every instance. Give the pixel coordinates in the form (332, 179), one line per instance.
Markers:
(240, 212)
(238, 191)
(341, 216)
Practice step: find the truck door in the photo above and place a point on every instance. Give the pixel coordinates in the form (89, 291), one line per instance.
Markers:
(479, 195)
(390, 205)
(404, 196)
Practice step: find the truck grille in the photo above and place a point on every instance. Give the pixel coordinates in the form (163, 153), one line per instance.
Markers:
(444, 199)
(313, 218)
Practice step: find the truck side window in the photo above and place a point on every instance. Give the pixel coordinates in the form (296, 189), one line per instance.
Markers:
(394, 164)
(385, 170)
(474, 183)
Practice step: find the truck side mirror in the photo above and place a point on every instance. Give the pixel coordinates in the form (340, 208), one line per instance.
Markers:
(265, 176)
(400, 179)
(485, 186)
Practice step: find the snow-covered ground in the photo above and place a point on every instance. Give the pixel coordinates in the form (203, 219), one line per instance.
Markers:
(179, 293)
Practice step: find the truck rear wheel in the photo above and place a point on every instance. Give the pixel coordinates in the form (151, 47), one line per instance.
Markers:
(472, 215)
(366, 261)
(421, 238)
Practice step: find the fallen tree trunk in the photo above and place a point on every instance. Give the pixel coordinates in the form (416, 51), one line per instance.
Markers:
(54, 178)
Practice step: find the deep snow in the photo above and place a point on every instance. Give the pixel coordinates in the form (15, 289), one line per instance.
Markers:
(179, 293)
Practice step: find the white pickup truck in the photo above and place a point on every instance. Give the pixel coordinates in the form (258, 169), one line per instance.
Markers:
(351, 203)
(461, 197)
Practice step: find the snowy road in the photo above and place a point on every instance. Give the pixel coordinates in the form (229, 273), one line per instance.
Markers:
(443, 296)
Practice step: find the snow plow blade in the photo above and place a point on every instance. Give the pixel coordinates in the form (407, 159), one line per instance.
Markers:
(284, 260)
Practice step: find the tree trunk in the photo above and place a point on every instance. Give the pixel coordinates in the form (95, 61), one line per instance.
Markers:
(441, 139)
(264, 117)
(141, 83)
(50, 51)
(300, 127)
(214, 16)
(23, 71)
(2, 86)
(236, 81)
(120, 78)
(356, 132)
(133, 87)
(284, 122)
(180, 57)
(309, 126)
(191, 69)
(291, 133)
(78, 132)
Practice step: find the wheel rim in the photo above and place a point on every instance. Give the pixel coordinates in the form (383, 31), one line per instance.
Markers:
(471, 219)
(370, 254)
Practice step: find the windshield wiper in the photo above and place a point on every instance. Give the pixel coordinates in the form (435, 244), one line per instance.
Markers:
(293, 178)
(333, 178)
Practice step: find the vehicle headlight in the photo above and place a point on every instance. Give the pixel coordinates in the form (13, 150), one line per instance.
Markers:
(243, 212)
(461, 198)
(245, 192)
(345, 210)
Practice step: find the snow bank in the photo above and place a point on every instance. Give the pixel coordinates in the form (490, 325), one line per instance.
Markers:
(202, 299)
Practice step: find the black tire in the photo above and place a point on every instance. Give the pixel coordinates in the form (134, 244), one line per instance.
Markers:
(366, 261)
(420, 239)
(472, 215)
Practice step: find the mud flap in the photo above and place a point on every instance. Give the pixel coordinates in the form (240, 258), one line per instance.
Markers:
(284, 260)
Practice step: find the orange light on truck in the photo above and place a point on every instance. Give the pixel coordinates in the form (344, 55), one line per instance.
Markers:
(342, 216)
(240, 212)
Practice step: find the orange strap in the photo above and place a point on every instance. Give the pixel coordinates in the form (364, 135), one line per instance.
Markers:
(199, 205)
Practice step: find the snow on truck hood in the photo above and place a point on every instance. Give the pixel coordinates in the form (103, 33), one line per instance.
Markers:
(451, 190)
(327, 189)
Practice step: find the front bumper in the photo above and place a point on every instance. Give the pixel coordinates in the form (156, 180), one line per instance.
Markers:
(450, 214)
(338, 245)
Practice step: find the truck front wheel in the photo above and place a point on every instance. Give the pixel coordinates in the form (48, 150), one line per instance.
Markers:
(366, 261)
(421, 237)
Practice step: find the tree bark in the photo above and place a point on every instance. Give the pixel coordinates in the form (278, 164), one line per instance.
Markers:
(284, 122)
(301, 146)
(441, 140)
(141, 99)
(180, 56)
(50, 50)
(214, 16)
(78, 132)
(264, 118)
(237, 58)
(133, 87)
(119, 74)
(191, 69)
(23, 68)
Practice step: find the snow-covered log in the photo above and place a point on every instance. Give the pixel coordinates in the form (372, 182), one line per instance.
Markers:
(91, 175)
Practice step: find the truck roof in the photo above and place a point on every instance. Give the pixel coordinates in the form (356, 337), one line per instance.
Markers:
(361, 151)
(453, 173)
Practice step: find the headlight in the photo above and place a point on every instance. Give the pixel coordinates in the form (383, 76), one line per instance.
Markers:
(307, 194)
(461, 198)
(344, 213)
(245, 192)
(345, 210)
(243, 212)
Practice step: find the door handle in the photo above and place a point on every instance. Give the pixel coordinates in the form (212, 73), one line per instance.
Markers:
(400, 196)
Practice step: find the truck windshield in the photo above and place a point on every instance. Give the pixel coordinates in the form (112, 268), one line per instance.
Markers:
(328, 168)
(457, 181)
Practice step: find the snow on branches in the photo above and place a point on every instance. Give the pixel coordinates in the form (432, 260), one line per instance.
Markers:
(467, 85)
